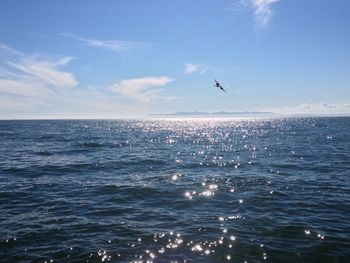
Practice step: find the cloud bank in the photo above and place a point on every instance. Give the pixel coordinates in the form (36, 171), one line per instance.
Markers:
(34, 86)
(316, 108)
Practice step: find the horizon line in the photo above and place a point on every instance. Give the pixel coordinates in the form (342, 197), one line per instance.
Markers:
(137, 117)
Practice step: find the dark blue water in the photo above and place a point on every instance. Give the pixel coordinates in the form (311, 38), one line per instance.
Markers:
(175, 191)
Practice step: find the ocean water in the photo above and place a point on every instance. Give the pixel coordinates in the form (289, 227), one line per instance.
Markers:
(223, 190)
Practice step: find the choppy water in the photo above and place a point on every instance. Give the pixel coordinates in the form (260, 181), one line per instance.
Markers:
(175, 191)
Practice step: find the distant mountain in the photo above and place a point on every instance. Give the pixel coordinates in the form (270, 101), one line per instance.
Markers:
(213, 114)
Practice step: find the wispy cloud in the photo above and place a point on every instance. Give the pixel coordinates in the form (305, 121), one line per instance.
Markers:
(47, 71)
(194, 69)
(24, 87)
(119, 46)
(145, 89)
(9, 49)
(262, 9)
(31, 81)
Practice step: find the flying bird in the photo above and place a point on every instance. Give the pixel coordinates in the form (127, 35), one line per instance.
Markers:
(218, 85)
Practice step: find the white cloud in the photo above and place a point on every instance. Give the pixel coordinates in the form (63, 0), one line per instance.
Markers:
(142, 89)
(194, 69)
(24, 88)
(113, 45)
(119, 46)
(28, 82)
(47, 71)
(34, 69)
(262, 9)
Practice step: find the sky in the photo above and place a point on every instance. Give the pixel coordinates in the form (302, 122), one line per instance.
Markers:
(128, 58)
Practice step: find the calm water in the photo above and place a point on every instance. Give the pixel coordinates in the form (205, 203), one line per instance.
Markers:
(175, 191)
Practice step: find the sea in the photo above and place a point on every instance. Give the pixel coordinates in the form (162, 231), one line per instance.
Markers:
(175, 190)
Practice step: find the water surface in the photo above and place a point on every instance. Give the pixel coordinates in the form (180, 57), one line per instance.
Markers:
(234, 190)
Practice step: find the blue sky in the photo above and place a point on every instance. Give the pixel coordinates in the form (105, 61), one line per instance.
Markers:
(112, 59)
